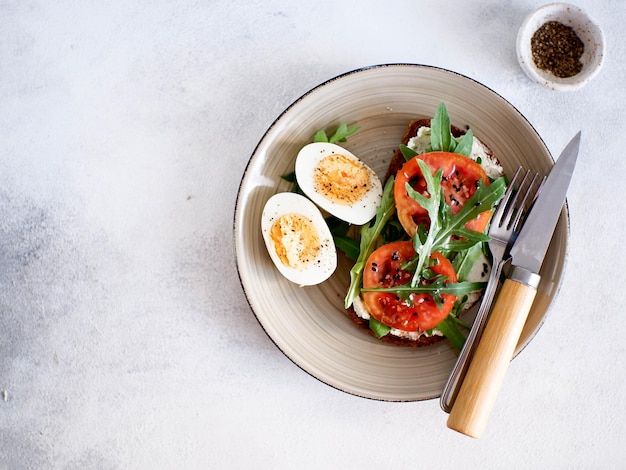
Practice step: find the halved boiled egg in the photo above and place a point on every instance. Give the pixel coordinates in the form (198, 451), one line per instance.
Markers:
(338, 182)
(298, 239)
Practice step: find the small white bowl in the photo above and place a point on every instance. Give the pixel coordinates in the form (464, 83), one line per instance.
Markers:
(587, 30)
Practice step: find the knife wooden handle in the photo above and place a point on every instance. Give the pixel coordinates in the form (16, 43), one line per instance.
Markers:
(494, 352)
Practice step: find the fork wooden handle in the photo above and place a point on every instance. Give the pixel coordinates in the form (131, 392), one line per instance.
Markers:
(495, 350)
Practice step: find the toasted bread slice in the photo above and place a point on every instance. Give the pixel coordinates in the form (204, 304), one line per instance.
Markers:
(396, 163)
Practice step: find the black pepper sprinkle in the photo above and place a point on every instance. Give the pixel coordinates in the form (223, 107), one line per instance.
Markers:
(556, 48)
(485, 269)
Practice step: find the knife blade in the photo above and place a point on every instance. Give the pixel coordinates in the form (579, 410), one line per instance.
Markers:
(479, 390)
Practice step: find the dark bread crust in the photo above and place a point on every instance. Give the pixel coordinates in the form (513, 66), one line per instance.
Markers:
(391, 339)
(396, 163)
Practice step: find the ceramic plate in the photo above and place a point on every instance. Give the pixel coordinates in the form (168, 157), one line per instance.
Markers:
(309, 324)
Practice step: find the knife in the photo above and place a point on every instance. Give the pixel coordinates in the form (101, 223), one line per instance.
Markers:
(478, 392)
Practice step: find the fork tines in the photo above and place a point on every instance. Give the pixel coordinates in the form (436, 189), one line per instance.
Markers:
(525, 187)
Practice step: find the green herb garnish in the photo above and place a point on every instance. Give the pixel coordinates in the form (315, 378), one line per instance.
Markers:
(464, 145)
(435, 206)
(369, 236)
(441, 137)
(465, 260)
(295, 187)
(340, 134)
(348, 245)
(407, 152)
(457, 289)
(450, 330)
(379, 328)
(447, 232)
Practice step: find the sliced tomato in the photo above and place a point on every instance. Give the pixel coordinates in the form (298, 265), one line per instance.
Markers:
(459, 182)
(384, 269)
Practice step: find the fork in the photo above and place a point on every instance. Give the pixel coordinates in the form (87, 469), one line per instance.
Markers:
(504, 228)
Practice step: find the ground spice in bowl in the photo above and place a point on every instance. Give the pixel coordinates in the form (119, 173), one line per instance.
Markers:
(556, 48)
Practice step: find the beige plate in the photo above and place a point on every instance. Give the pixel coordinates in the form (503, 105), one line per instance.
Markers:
(309, 324)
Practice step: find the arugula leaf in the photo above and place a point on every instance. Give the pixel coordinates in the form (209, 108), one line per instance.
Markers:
(482, 200)
(464, 145)
(447, 232)
(339, 229)
(340, 134)
(394, 231)
(379, 329)
(337, 226)
(348, 245)
(457, 289)
(291, 178)
(369, 235)
(440, 137)
(469, 239)
(407, 152)
(465, 260)
(432, 205)
(320, 136)
(451, 331)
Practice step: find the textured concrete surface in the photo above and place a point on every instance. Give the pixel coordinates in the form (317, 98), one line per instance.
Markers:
(125, 338)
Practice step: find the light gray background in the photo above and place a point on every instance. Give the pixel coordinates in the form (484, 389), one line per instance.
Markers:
(125, 337)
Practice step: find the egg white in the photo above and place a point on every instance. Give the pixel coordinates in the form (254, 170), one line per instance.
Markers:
(325, 263)
(358, 213)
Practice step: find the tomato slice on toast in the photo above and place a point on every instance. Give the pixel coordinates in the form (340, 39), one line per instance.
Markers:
(384, 269)
(459, 182)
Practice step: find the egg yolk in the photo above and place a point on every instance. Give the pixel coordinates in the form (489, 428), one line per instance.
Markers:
(341, 179)
(296, 240)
